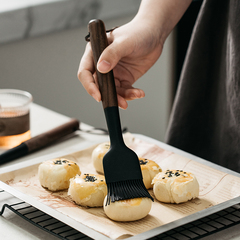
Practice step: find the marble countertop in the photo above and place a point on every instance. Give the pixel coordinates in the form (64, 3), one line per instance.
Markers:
(28, 18)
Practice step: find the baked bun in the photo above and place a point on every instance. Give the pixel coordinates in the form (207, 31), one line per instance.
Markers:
(88, 190)
(128, 210)
(175, 186)
(149, 170)
(55, 174)
(98, 154)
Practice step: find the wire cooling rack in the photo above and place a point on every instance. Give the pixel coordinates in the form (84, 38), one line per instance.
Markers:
(192, 231)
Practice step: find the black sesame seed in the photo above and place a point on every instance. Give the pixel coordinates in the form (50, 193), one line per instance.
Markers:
(90, 178)
(163, 177)
(69, 164)
(59, 162)
(142, 162)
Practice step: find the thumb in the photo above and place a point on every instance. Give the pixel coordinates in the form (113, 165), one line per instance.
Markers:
(110, 57)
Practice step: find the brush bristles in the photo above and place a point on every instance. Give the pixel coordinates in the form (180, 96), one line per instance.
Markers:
(126, 190)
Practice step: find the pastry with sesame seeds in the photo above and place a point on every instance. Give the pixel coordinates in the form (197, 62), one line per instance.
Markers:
(175, 186)
(149, 170)
(88, 190)
(55, 174)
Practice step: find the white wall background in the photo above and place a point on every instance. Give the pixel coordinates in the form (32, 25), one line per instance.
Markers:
(47, 67)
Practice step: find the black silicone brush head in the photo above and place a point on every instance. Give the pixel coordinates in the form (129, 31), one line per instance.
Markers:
(126, 190)
(122, 168)
(120, 163)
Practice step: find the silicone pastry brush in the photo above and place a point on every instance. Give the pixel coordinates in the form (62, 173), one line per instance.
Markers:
(121, 165)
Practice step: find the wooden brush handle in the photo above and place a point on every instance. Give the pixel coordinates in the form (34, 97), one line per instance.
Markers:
(99, 42)
(51, 136)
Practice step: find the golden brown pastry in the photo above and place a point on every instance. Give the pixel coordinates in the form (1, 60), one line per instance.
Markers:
(128, 210)
(88, 190)
(175, 186)
(55, 174)
(149, 170)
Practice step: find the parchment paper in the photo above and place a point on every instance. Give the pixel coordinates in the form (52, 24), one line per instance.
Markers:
(215, 187)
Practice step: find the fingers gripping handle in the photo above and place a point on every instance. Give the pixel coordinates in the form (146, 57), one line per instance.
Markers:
(98, 39)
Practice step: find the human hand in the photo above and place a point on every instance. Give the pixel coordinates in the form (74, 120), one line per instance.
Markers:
(132, 51)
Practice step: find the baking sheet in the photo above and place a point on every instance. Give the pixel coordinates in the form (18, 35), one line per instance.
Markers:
(219, 188)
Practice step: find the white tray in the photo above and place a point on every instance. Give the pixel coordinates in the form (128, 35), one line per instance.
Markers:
(93, 233)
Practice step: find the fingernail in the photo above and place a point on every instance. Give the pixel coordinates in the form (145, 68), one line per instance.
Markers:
(104, 66)
(95, 96)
